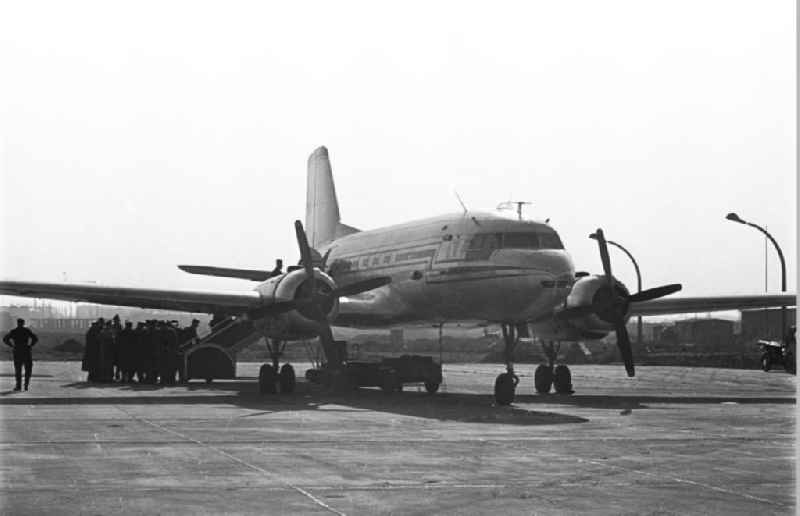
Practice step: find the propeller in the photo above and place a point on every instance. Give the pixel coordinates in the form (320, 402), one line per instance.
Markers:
(613, 304)
(314, 301)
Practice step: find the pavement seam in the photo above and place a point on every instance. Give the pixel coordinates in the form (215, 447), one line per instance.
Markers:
(295, 488)
(686, 481)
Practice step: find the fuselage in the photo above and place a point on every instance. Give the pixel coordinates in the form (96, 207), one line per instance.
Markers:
(461, 267)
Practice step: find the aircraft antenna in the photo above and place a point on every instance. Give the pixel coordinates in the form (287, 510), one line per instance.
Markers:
(461, 202)
(510, 205)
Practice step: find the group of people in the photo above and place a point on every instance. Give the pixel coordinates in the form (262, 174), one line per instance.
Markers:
(150, 353)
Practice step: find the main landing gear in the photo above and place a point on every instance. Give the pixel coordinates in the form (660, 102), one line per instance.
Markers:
(549, 375)
(270, 377)
(546, 377)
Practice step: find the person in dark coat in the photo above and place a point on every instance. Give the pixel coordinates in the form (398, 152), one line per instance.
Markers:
(91, 351)
(139, 354)
(151, 352)
(126, 347)
(106, 361)
(21, 340)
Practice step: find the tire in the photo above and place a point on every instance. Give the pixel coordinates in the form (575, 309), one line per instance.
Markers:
(287, 379)
(562, 380)
(543, 379)
(266, 379)
(766, 362)
(431, 387)
(504, 387)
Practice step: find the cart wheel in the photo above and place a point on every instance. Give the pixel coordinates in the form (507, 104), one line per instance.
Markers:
(431, 387)
(766, 361)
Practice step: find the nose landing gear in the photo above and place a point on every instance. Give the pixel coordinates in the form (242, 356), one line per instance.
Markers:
(505, 385)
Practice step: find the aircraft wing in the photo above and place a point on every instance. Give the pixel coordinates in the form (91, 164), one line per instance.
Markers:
(679, 305)
(202, 301)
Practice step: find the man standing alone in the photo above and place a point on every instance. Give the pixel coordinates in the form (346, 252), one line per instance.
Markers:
(23, 340)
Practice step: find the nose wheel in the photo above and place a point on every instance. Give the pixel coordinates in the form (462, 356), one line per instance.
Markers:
(505, 385)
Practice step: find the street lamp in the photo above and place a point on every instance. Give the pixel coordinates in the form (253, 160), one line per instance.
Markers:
(735, 218)
(593, 236)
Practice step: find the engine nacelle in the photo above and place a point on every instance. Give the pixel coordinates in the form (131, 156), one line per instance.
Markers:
(588, 291)
(299, 323)
(594, 291)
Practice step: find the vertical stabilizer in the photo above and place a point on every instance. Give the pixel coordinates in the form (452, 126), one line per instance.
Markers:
(322, 208)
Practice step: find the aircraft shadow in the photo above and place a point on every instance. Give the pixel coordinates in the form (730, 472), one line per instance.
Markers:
(458, 407)
(641, 402)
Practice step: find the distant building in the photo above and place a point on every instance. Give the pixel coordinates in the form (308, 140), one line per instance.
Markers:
(706, 334)
(765, 324)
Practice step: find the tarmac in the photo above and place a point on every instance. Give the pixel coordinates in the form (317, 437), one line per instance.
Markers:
(673, 440)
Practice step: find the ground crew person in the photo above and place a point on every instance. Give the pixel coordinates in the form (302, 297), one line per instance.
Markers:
(126, 342)
(139, 353)
(151, 352)
(21, 339)
(277, 270)
(91, 351)
(105, 364)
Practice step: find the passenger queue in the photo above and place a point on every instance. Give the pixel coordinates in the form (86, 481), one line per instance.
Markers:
(150, 353)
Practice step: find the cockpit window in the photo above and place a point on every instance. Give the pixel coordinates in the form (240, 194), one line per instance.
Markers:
(482, 245)
(550, 241)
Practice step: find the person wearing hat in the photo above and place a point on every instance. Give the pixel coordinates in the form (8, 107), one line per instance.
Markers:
(21, 339)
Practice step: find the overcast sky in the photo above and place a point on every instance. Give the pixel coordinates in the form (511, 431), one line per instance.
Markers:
(141, 135)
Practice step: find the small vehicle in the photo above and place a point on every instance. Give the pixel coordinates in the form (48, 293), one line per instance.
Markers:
(390, 374)
(780, 353)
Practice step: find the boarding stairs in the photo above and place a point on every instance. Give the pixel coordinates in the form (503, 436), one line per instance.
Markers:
(213, 356)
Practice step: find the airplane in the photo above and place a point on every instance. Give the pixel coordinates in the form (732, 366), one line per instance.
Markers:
(463, 267)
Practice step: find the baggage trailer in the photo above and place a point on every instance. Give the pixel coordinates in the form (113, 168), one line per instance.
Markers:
(390, 374)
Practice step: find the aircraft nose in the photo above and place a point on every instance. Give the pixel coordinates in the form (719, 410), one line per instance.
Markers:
(556, 262)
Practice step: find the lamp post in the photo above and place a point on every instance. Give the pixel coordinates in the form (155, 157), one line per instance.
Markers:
(735, 218)
(593, 236)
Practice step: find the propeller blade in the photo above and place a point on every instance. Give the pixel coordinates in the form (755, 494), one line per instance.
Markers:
(624, 345)
(305, 254)
(601, 243)
(654, 293)
(361, 286)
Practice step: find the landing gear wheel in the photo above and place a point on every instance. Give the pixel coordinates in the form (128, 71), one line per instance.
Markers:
(766, 362)
(266, 379)
(390, 383)
(504, 386)
(431, 387)
(543, 378)
(287, 379)
(562, 380)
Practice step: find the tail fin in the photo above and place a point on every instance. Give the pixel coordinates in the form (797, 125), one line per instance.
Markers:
(322, 207)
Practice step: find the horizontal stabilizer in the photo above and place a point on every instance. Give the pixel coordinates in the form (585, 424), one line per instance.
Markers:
(223, 272)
